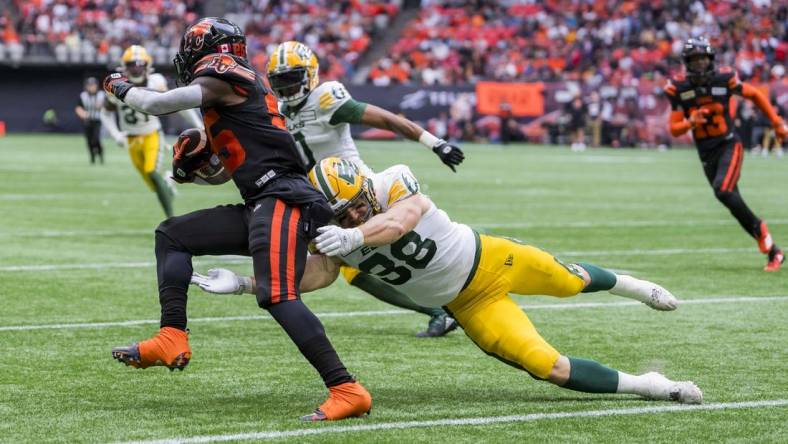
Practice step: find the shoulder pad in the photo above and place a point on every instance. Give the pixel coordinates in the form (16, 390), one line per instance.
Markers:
(401, 183)
(157, 82)
(225, 67)
(331, 95)
(727, 76)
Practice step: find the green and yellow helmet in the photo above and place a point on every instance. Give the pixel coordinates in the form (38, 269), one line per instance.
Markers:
(342, 184)
(292, 72)
(137, 64)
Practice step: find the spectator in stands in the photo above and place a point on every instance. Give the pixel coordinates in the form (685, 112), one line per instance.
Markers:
(595, 118)
(745, 122)
(577, 113)
(439, 126)
(770, 142)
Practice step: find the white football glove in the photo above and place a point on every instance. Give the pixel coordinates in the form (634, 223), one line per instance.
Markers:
(221, 281)
(122, 140)
(336, 241)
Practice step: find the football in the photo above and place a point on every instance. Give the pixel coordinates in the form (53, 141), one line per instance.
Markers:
(194, 161)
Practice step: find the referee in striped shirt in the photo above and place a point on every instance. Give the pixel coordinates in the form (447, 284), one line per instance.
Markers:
(91, 100)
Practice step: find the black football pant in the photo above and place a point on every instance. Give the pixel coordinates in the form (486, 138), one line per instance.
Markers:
(723, 168)
(275, 234)
(93, 138)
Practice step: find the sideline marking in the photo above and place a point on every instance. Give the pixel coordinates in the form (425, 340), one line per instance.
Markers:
(353, 314)
(473, 421)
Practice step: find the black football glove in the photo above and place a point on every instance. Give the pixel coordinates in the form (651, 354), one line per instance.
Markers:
(450, 154)
(118, 85)
(183, 165)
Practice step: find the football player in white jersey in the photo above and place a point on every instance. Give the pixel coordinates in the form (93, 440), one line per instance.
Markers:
(318, 115)
(389, 229)
(141, 133)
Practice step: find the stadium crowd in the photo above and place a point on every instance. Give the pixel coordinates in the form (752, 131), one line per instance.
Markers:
(97, 31)
(602, 41)
(338, 31)
(615, 54)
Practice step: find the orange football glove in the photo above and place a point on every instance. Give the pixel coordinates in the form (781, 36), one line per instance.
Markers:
(780, 131)
(698, 117)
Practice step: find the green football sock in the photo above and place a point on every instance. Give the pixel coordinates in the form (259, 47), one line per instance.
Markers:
(390, 295)
(591, 377)
(601, 279)
(163, 192)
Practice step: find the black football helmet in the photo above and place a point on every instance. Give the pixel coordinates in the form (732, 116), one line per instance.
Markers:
(698, 72)
(210, 35)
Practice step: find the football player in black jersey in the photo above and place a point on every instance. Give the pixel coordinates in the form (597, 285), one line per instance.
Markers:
(700, 100)
(280, 214)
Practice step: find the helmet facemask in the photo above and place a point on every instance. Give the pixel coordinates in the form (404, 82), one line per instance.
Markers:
(291, 86)
(136, 71)
(292, 72)
(363, 201)
(700, 68)
(698, 57)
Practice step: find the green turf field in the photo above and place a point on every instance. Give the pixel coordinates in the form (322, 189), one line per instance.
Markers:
(77, 277)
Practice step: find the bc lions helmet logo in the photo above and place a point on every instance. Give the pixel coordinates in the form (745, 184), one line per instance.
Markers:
(196, 36)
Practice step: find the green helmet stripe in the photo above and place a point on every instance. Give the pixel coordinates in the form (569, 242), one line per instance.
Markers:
(321, 179)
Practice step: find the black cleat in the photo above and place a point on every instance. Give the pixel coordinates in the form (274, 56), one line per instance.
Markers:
(439, 325)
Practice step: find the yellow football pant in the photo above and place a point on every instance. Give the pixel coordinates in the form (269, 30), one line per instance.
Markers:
(145, 152)
(493, 320)
(349, 272)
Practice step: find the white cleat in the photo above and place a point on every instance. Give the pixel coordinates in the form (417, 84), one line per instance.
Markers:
(660, 299)
(686, 392)
(646, 292)
(663, 389)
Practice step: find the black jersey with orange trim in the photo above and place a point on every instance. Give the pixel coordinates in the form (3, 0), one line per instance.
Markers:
(250, 137)
(715, 97)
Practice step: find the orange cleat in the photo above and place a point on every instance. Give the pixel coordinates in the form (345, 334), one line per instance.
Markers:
(348, 400)
(765, 242)
(776, 259)
(169, 348)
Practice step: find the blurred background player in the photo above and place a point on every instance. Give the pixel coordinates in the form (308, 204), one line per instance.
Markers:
(141, 133)
(771, 141)
(700, 102)
(91, 102)
(319, 115)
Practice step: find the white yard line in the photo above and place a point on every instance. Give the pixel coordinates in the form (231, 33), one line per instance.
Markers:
(76, 233)
(655, 252)
(616, 223)
(511, 225)
(352, 314)
(465, 422)
(241, 260)
(108, 265)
